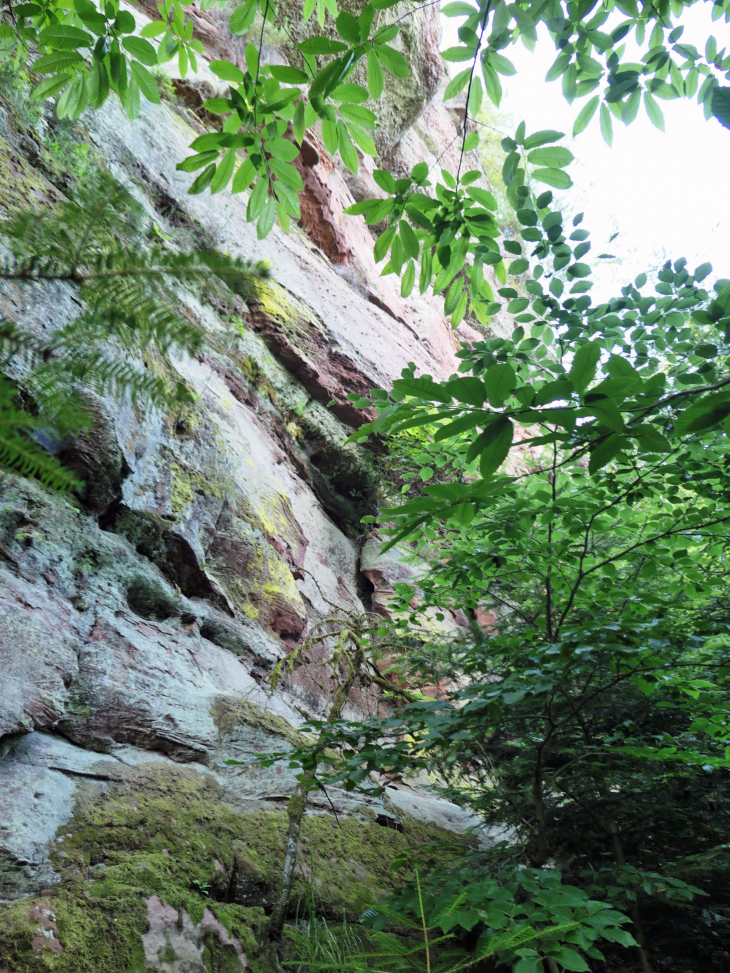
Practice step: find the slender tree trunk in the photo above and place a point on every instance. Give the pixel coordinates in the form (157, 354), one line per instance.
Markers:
(295, 809)
(538, 796)
(543, 847)
(618, 854)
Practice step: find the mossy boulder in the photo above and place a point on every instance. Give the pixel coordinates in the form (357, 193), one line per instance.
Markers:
(160, 863)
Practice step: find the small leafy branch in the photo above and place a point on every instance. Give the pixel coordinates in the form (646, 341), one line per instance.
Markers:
(89, 50)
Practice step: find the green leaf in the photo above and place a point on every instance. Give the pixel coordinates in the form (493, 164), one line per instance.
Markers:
(282, 149)
(529, 965)
(650, 440)
(125, 22)
(720, 105)
(501, 64)
(656, 116)
(458, 9)
(453, 296)
(227, 71)
(257, 199)
(321, 45)
(244, 177)
(223, 172)
(496, 445)
(203, 180)
(463, 424)
(457, 84)
(358, 114)
(558, 67)
(554, 157)
(584, 365)
(542, 138)
(352, 93)
(141, 50)
(382, 244)
(462, 514)
(393, 61)
(287, 75)
(409, 240)
(375, 79)
(288, 199)
(266, 219)
(154, 29)
(570, 960)
(74, 100)
(62, 37)
(408, 280)
(605, 451)
(708, 412)
(348, 27)
(553, 177)
(499, 382)
(97, 84)
(606, 125)
(146, 82)
(347, 149)
(52, 63)
(130, 100)
(585, 115)
(194, 162)
(424, 278)
(422, 388)
(469, 389)
(287, 173)
(361, 138)
(243, 17)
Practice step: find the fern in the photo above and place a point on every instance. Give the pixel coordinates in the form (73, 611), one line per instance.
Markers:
(97, 243)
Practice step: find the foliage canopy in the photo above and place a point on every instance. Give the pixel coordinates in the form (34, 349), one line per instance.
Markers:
(574, 475)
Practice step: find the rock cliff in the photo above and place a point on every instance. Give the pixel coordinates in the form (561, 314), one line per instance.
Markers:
(138, 619)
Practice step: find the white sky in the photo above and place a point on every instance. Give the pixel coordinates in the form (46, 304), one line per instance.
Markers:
(668, 193)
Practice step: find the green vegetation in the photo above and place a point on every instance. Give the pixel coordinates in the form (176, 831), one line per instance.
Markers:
(571, 499)
(582, 509)
(161, 831)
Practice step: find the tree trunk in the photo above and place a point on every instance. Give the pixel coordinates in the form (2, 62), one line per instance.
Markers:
(618, 854)
(295, 809)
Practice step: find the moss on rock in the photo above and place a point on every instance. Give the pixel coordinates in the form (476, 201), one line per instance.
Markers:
(228, 714)
(169, 832)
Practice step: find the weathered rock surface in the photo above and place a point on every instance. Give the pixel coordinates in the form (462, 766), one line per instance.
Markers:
(139, 619)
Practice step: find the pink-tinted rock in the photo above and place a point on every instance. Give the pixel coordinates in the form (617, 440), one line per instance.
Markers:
(38, 656)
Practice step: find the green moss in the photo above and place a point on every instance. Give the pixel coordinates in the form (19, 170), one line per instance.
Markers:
(228, 714)
(169, 831)
(158, 831)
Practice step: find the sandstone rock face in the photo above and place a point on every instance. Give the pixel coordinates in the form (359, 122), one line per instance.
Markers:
(139, 619)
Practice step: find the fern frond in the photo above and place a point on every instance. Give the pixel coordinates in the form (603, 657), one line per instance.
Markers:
(19, 452)
(95, 241)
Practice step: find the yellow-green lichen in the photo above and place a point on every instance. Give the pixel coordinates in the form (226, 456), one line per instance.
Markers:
(254, 575)
(19, 183)
(298, 322)
(186, 483)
